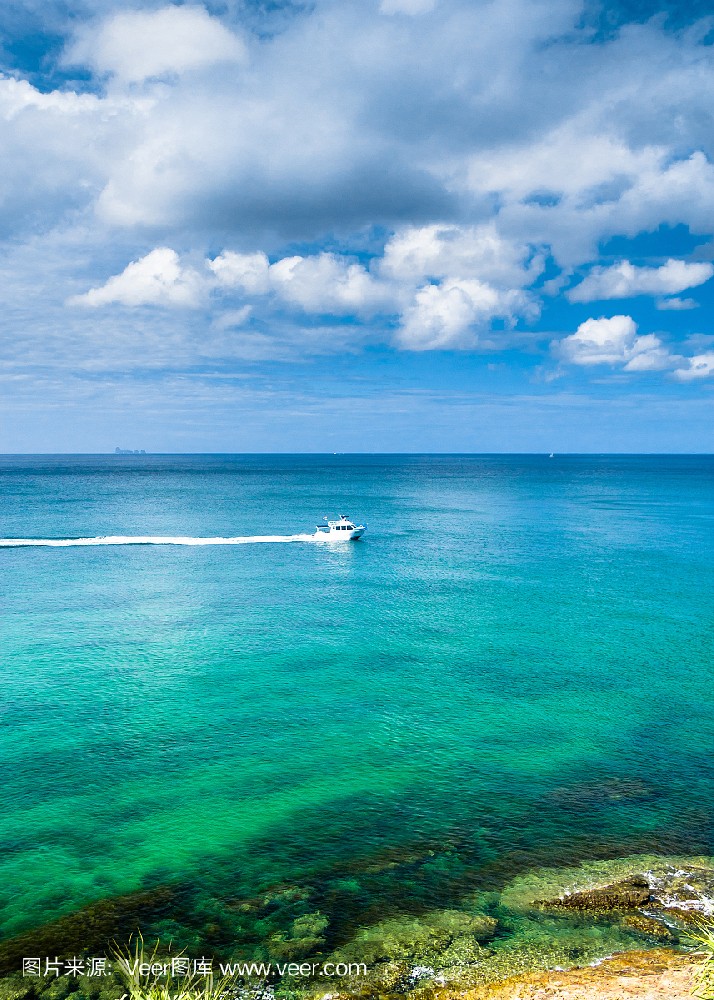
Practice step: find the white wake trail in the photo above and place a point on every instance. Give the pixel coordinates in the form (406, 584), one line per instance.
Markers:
(160, 540)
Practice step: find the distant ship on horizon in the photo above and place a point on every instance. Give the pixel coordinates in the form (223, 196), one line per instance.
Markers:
(129, 451)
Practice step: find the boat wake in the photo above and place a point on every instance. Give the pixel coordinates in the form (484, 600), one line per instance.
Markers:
(12, 543)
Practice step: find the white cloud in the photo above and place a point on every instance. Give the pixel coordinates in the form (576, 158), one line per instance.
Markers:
(17, 96)
(624, 280)
(465, 135)
(159, 278)
(650, 356)
(249, 272)
(322, 283)
(445, 316)
(56, 146)
(663, 192)
(699, 366)
(135, 45)
(613, 340)
(549, 167)
(326, 283)
(348, 119)
(449, 132)
(433, 315)
(419, 253)
(676, 304)
(458, 279)
(317, 136)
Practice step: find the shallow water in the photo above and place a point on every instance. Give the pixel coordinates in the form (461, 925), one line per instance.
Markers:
(511, 669)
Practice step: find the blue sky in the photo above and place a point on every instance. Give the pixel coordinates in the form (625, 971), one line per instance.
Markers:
(357, 225)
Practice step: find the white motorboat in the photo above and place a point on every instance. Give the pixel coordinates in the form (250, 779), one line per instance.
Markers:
(342, 530)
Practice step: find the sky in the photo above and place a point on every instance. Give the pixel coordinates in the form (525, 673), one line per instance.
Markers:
(356, 226)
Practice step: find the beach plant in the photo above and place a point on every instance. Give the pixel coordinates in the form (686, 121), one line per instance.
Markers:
(150, 974)
(704, 980)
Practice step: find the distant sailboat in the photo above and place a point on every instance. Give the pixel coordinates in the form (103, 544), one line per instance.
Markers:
(551, 455)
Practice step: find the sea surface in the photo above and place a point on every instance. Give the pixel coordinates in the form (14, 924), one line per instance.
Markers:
(512, 669)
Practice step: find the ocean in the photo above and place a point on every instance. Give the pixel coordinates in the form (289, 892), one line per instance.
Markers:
(511, 671)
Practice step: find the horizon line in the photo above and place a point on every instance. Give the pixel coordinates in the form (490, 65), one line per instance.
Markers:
(346, 454)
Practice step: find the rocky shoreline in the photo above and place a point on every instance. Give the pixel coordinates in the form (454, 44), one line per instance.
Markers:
(649, 909)
(656, 974)
(604, 930)
(661, 974)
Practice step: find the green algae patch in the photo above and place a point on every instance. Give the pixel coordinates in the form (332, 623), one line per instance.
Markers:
(408, 952)
(425, 939)
(305, 938)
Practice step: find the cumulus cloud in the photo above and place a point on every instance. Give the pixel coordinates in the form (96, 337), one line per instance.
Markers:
(613, 340)
(650, 356)
(446, 139)
(326, 283)
(419, 253)
(135, 45)
(321, 283)
(249, 272)
(463, 277)
(624, 280)
(661, 192)
(447, 315)
(699, 366)
(432, 314)
(159, 278)
(347, 118)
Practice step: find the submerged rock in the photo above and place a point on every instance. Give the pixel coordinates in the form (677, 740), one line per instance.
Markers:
(592, 794)
(619, 884)
(627, 894)
(91, 928)
(304, 939)
(649, 927)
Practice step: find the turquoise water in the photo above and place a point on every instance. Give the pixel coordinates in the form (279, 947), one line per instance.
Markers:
(511, 669)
